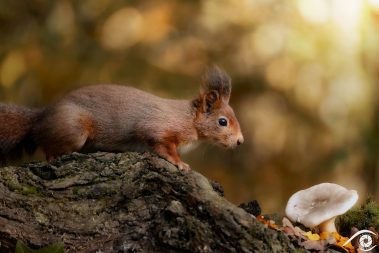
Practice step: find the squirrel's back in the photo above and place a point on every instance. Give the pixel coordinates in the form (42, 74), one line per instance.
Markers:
(113, 118)
(110, 99)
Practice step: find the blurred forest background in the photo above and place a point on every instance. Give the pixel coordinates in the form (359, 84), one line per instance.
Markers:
(305, 78)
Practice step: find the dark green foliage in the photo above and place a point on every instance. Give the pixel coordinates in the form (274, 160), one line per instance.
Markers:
(54, 248)
(363, 217)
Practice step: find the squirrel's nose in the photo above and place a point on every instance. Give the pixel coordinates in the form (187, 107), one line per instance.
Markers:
(240, 141)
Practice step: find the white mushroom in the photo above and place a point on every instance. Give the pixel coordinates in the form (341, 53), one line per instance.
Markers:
(319, 205)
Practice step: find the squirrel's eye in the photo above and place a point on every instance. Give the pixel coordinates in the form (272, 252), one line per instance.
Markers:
(222, 122)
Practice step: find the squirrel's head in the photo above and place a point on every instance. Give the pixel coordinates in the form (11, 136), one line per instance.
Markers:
(215, 119)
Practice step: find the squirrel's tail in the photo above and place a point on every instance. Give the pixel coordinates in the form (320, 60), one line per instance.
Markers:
(16, 124)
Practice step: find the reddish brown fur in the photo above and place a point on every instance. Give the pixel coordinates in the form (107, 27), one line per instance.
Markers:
(62, 146)
(87, 125)
(119, 118)
(15, 131)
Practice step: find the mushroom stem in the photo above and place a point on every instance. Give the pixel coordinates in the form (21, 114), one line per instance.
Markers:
(328, 226)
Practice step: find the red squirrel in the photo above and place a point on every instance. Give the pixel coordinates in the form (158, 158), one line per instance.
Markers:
(118, 118)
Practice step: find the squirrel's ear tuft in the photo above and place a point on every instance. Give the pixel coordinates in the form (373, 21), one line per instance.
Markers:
(217, 80)
(215, 89)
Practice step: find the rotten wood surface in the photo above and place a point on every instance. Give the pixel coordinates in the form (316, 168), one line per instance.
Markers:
(128, 202)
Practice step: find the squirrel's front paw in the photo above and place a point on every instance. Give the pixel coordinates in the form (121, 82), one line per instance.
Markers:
(183, 166)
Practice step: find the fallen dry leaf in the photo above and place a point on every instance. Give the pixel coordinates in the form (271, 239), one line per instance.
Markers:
(320, 245)
(311, 236)
(291, 229)
(318, 242)
(268, 223)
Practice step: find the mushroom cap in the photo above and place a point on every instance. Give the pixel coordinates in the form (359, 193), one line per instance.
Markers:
(320, 203)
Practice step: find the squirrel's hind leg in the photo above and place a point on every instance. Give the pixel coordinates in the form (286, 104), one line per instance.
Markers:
(64, 135)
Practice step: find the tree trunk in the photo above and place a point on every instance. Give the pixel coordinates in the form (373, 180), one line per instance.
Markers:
(127, 202)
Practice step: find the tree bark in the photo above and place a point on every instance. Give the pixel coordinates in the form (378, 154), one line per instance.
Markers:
(129, 202)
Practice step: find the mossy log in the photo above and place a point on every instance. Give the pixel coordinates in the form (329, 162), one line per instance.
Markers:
(129, 202)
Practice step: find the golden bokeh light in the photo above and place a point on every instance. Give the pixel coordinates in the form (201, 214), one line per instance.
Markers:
(314, 11)
(268, 40)
(309, 86)
(61, 21)
(346, 14)
(122, 29)
(280, 73)
(374, 3)
(12, 67)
